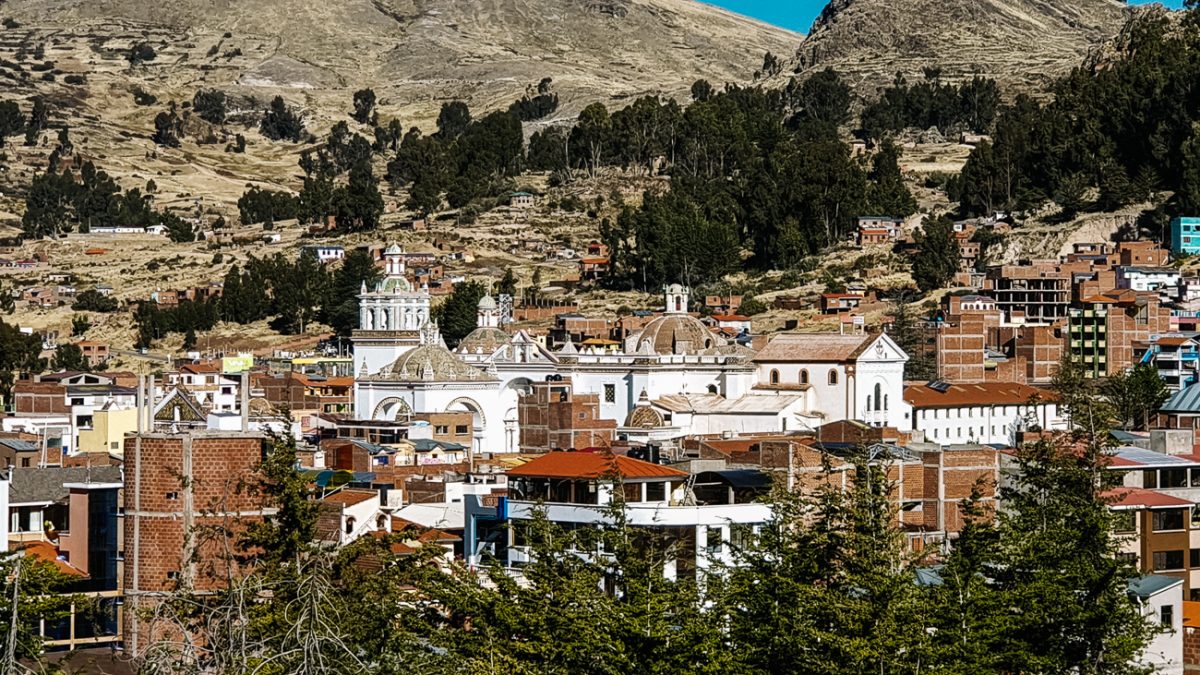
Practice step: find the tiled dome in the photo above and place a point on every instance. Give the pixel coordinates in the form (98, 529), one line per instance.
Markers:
(677, 334)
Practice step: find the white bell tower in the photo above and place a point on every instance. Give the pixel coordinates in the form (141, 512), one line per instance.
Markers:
(487, 315)
(676, 298)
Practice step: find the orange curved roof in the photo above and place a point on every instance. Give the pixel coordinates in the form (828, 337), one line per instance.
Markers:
(588, 465)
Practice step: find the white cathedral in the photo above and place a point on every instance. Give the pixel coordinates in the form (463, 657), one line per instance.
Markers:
(673, 378)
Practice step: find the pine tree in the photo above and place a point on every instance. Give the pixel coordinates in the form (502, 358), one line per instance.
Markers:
(938, 261)
(457, 315)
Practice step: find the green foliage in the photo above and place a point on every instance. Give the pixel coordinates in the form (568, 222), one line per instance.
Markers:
(673, 239)
(140, 53)
(92, 300)
(508, 283)
(266, 206)
(930, 103)
(453, 120)
(358, 205)
(209, 105)
(548, 150)
(887, 194)
(457, 315)
(907, 333)
(168, 128)
(143, 97)
(340, 308)
(1136, 395)
(938, 261)
(69, 357)
(189, 315)
(536, 103)
(80, 325)
(702, 90)
(281, 122)
(364, 105)
(822, 98)
(751, 306)
(179, 230)
(590, 138)
(39, 116)
(12, 121)
(38, 586)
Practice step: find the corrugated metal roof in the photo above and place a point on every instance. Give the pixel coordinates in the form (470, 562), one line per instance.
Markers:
(1148, 458)
(1152, 584)
(1187, 400)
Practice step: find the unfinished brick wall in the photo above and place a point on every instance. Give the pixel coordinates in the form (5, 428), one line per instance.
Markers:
(553, 417)
(1191, 649)
(183, 493)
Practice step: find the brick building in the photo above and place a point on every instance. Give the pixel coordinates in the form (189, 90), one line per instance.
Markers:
(1040, 291)
(553, 417)
(1104, 329)
(176, 485)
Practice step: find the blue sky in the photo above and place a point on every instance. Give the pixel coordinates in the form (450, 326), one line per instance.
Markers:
(798, 15)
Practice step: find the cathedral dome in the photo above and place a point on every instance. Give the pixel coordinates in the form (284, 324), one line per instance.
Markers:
(394, 285)
(432, 362)
(677, 334)
(484, 339)
(486, 302)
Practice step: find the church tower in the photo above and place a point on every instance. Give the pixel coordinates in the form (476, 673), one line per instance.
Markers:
(390, 316)
(676, 297)
(487, 315)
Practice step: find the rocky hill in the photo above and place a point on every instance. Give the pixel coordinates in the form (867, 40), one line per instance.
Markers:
(1021, 43)
(414, 52)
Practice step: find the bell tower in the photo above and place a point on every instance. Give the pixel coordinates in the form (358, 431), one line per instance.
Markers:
(676, 298)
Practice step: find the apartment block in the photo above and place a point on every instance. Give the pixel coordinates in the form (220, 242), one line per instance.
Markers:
(553, 417)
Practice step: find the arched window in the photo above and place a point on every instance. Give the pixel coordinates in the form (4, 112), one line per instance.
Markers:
(803, 376)
(774, 377)
(350, 525)
(832, 376)
(712, 388)
(878, 396)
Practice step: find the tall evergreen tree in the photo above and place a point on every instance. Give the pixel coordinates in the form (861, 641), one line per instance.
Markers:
(939, 257)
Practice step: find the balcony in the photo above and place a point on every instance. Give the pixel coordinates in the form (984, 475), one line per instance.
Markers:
(648, 514)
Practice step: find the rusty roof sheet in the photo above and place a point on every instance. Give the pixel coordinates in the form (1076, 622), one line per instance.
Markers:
(589, 465)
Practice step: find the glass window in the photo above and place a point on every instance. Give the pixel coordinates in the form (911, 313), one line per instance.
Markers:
(1167, 520)
(833, 376)
(1150, 479)
(610, 393)
(803, 376)
(774, 377)
(1173, 478)
(1166, 615)
(632, 492)
(1167, 560)
(460, 429)
(656, 492)
(1194, 558)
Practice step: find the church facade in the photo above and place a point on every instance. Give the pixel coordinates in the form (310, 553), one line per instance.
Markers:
(673, 378)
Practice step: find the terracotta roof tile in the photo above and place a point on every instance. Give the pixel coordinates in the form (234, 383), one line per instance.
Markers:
(585, 465)
(987, 393)
(801, 347)
(350, 497)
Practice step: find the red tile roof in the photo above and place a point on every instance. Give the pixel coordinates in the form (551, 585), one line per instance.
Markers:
(350, 497)
(44, 551)
(586, 465)
(987, 393)
(1126, 498)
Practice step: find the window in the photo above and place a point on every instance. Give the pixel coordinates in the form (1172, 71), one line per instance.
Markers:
(1125, 521)
(1150, 479)
(656, 492)
(713, 537)
(1168, 560)
(1127, 558)
(832, 376)
(461, 429)
(1167, 520)
(76, 401)
(1166, 615)
(610, 393)
(1194, 558)
(803, 376)
(25, 462)
(774, 377)
(1173, 478)
(878, 396)
(441, 429)
(633, 492)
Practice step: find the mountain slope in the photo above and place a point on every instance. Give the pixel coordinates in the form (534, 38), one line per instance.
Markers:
(1025, 43)
(487, 51)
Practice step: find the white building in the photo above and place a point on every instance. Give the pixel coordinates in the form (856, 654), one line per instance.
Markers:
(708, 518)
(390, 317)
(1147, 278)
(326, 253)
(1161, 600)
(990, 413)
(349, 514)
(853, 376)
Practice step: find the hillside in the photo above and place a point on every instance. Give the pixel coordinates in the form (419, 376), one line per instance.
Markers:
(415, 53)
(1021, 43)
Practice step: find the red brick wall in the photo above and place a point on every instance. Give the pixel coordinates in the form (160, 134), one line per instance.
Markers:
(157, 539)
(1191, 648)
(40, 398)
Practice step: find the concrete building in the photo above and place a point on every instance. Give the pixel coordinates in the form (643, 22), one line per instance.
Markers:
(1185, 235)
(988, 413)
(1104, 330)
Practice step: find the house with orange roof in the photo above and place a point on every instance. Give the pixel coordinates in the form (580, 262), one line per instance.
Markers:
(350, 513)
(580, 489)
